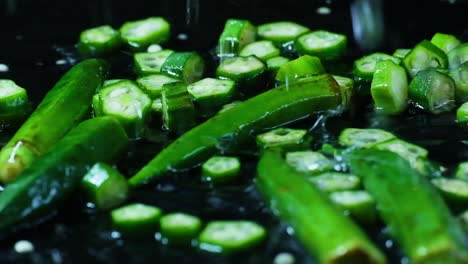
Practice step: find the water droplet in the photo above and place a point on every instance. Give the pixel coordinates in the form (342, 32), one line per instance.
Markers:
(389, 244)
(154, 48)
(56, 256)
(4, 67)
(116, 235)
(284, 258)
(61, 62)
(182, 36)
(290, 231)
(23, 246)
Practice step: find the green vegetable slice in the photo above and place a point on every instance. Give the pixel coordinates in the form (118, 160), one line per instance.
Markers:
(237, 33)
(400, 53)
(309, 162)
(221, 169)
(458, 56)
(454, 191)
(231, 236)
(273, 64)
(445, 42)
(336, 181)
(178, 111)
(105, 186)
(210, 93)
(460, 76)
(245, 71)
(99, 40)
(322, 43)
(423, 56)
(462, 171)
(462, 113)
(281, 32)
(186, 66)
(139, 34)
(136, 219)
(263, 49)
(363, 137)
(358, 204)
(286, 138)
(14, 102)
(301, 67)
(364, 68)
(147, 63)
(153, 84)
(180, 228)
(346, 88)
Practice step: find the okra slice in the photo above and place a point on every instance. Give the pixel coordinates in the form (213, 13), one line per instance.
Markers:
(364, 67)
(281, 32)
(286, 138)
(423, 56)
(363, 137)
(462, 171)
(111, 81)
(346, 89)
(433, 91)
(301, 67)
(125, 101)
(105, 186)
(242, 70)
(358, 204)
(147, 63)
(389, 88)
(414, 154)
(139, 34)
(263, 49)
(221, 169)
(180, 228)
(400, 53)
(229, 236)
(462, 113)
(322, 43)
(273, 64)
(178, 110)
(136, 219)
(186, 66)
(460, 76)
(211, 93)
(308, 162)
(445, 42)
(454, 191)
(458, 56)
(153, 84)
(237, 33)
(14, 102)
(99, 40)
(335, 181)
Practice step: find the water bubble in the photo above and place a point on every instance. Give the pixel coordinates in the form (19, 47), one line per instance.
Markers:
(23, 246)
(324, 10)
(284, 258)
(4, 67)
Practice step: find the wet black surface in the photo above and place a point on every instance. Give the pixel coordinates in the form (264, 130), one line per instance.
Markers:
(37, 45)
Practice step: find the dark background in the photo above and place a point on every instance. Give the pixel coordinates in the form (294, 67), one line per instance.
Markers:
(37, 40)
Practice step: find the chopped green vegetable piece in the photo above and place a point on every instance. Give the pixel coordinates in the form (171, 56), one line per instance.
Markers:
(210, 94)
(99, 40)
(111, 81)
(272, 108)
(400, 53)
(180, 228)
(433, 91)
(335, 181)
(330, 237)
(139, 34)
(415, 213)
(178, 111)
(423, 56)
(281, 32)
(462, 113)
(105, 186)
(14, 102)
(246, 71)
(62, 108)
(156, 106)
(458, 56)
(389, 87)
(286, 138)
(147, 63)
(273, 64)
(301, 67)
(322, 43)
(445, 42)
(406, 150)
(237, 33)
(364, 68)
(363, 137)
(221, 169)
(227, 237)
(153, 84)
(462, 171)
(186, 66)
(136, 219)
(460, 76)
(263, 49)
(43, 187)
(125, 101)
(346, 89)
(358, 204)
(309, 162)
(454, 191)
